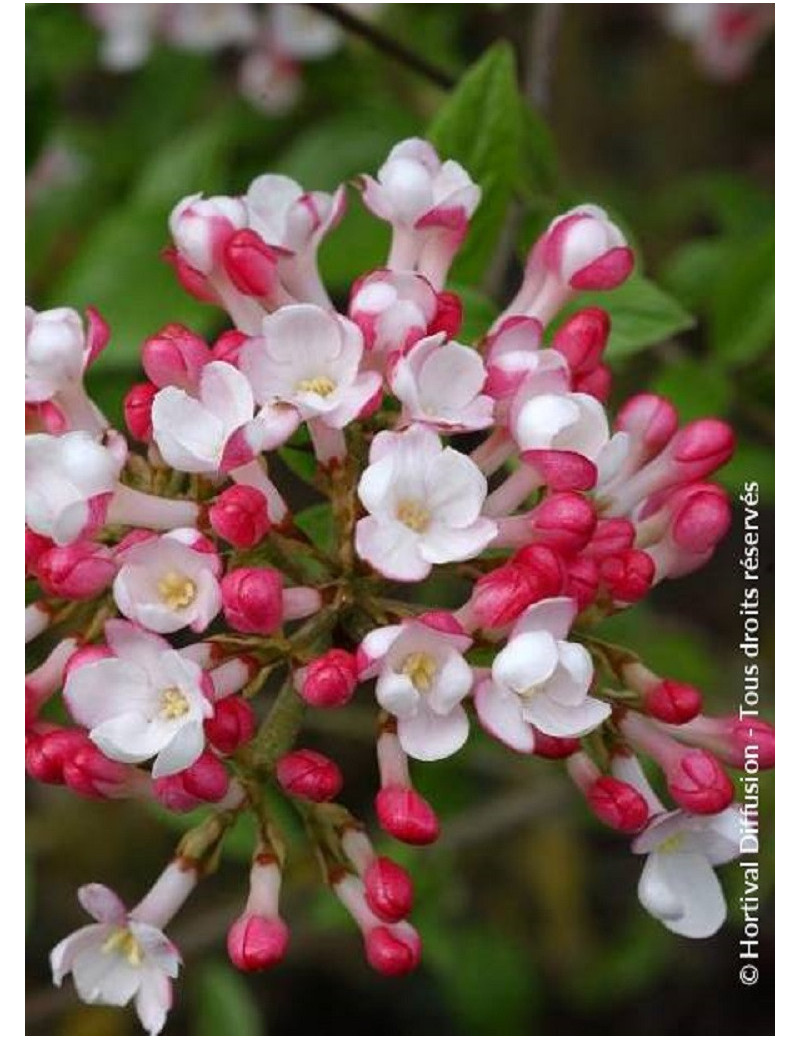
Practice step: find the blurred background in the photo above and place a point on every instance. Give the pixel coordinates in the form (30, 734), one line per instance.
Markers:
(527, 907)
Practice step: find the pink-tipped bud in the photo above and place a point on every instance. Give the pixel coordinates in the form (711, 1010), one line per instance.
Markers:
(582, 339)
(308, 774)
(329, 681)
(703, 446)
(79, 571)
(252, 599)
(389, 889)
(617, 804)
(35, 546)
(546, 746)
(752, 738)
(673, 702)
(175, 356)
(449, 315)
(406, 815)
(499, 597)
(586, 251)
(698, 783)
(251, 264)
(240, 516)
(201, 228)
(206, 778)
(596, 383)
(649, 419)
(582, 581)
(232, 724)
(628, 576)
(46, 753)
(228, 345)
(393, 950)
(191, 280)
(701, 520)
(170, 792)
(565, 521)
(256, 943)
(86, 655)
(544, 565)
(89, 773)
(613, 535)
(138, 410)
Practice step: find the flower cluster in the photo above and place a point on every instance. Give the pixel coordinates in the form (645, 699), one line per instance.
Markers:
(725, 37)
(189, 619)
(276, 39)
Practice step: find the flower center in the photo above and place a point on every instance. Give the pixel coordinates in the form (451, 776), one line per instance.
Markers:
(420, 669)
(176, 590)
(414, 515)
(123, 942)
(531, 692)
(673, 844)
(320, 385)
(174, 704)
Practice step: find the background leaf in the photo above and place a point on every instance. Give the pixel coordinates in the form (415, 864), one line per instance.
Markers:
(224, 1005)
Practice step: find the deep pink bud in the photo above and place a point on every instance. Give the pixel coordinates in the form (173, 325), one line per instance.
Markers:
(308, 774)
(702, 520)
(240, 516)
(170, 792)
(232, 724)
(256, 943)
(698, 783)
(628, 575)
(613, 535)
(406, 815)
(499, 597)
(193, 282)
(206, 778)
(252, 599)
(617, 804)
(582, 580)
(703, 446)
(393, 952)
(79, 571)
(227, 346)
(650, 419)
(544, 565)
(138, 409)
(582, 339)
(753, 734)
(389, 889)
(565, 521)
(449, 315)
(442, 621)
(673, 702)
(46, 753)
(546, 746)
(596, 383)
(250, 263)
(89, 773)
(329, 681)
(35, 546)
(175, 356)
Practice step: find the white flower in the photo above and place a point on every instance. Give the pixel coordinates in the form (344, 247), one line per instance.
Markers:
(309, 358)
(166, 585)
(128, 32)
(191, 432)
(424, 503)
(200, 228)
(540, 680)
(300, 33)
(66, 479)
(146, 701)
(439, 385)
(678, 885)
(118, 959)
(54, 351)
(393, 309)
(289, 218)
(209, 27)
(422, 679)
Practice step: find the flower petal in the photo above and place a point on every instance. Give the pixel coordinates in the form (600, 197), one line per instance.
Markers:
(526, 660)
(500, 714)
(430, 737)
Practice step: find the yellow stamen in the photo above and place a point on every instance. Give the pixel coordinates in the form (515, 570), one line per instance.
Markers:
(320, 385)
(420, 669)
(174, 704)
(531, 692)
(176, 590)
(122, 941)
(673, 844)
(414, 515)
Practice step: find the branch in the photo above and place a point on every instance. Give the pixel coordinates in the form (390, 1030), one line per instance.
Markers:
(383, 42)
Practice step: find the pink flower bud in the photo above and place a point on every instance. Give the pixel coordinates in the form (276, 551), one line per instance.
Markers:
(389, 889)
(89, 773)
(137, 409)
(202, 227)
(251, 264)
(232, 724)
(617, 804)
(329, 681)
(673, 702)
(585, 250)
(227, 346)
(582, 581)
(393, 951)
(406, 815)
(650, 420)
(192, 281)
(701, 519)
(79, 571)
(175, 356)
(703, 446)
(613, 535)
(582, 339)
(449, 315)
(170, 792)
(628, 575)
(698, 783)
(546, 746)
(46, 753)
(545, 566)
(252, 599)
(596, 383)
(35, 546)
(441, 621)
(565, 521)
(256, 943)
(206, 778)
(240, 516)
(499, 597)
(751, 735)
(308, 774)
(86, 655)
(562, 470)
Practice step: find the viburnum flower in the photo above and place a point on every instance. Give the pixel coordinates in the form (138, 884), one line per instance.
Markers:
(541, 680)
(422, 678)
(424, 502)
(146, 701)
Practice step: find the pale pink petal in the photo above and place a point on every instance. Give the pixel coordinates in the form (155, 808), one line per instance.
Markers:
(106, 688)
(556, 720)
(500, 714)
(396, 693)
(682, 890)
(440, 544)
(153, 1000)
(553, 615)
(430, 737)
(527, 660)
(102, 904)
(184, 749)
(391, 548)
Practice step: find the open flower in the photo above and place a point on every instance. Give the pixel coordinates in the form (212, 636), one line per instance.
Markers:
(146, 701)
(424, 503)
(540, 680)
(440, 384)
(164, 584)
(422, 680)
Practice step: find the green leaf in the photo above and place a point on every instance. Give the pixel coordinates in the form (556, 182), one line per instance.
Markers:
(750, 462)
(224, 1004)
(641, 315)
(192, 162)
(480, 126)
(694, 271)
(479, 313)
(317, 522)
(696, 388)
(743, 308)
